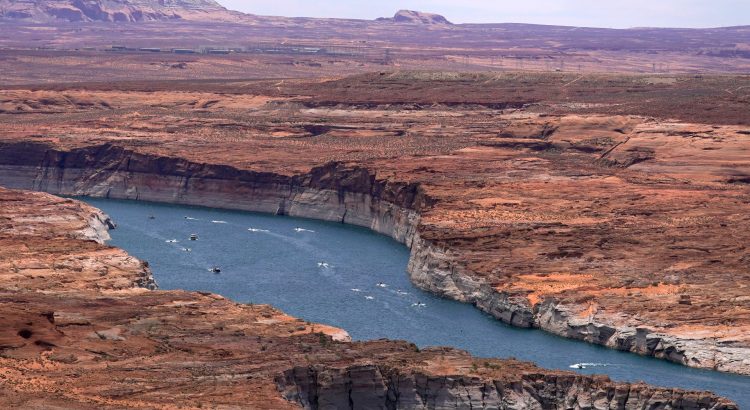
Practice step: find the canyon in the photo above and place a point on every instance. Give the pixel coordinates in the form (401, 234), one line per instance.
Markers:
(590, 183)
(83, 328)
(509, 216)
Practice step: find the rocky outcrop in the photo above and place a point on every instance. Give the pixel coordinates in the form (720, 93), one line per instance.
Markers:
(98, 227)
(417, 17)
(56, 245)
(347, 194)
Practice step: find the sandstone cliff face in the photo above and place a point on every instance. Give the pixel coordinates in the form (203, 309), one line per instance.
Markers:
(332, 192)
(435, 269)
(335, 192)
(380, 387)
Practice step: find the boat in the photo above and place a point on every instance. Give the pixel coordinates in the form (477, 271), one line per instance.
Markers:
(215, 269)
(193, 237)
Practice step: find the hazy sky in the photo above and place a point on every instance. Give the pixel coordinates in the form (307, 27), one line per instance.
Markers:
(593, 13)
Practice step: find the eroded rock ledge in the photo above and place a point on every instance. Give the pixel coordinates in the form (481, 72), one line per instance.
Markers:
(354, 195)
(67, 341)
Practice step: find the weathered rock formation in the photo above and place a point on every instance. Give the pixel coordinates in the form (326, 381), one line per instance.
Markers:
(112, 10)
(68, 342)
(417, 17)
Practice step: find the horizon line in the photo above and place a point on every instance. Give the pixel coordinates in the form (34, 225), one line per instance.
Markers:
(464, 23)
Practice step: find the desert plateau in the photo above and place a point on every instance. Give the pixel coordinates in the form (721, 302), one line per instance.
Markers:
(593, 184)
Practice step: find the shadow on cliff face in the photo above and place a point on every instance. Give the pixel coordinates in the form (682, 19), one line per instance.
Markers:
(371, 386)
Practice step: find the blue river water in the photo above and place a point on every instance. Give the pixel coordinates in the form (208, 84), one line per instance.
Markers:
(355, 279)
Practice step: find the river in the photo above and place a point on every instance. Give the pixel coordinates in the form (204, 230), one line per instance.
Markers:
(352, 278)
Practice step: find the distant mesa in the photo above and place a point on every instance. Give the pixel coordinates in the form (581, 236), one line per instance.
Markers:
(114, 10)
(416, 17)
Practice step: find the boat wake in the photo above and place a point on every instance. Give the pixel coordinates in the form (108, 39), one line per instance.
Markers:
(219, 222)
(588, 365)
(258, 230)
